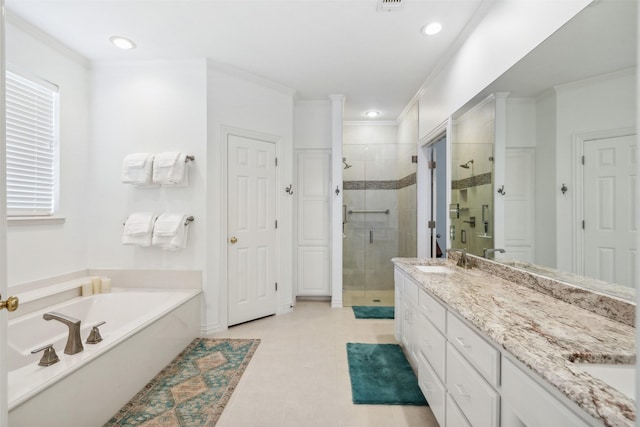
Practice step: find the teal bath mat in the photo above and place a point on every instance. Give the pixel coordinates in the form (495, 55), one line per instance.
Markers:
(381, 375)
(376, 312)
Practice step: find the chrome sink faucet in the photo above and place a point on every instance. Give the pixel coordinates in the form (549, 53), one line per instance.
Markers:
(463, 261)
(487, 251)
(74, 342)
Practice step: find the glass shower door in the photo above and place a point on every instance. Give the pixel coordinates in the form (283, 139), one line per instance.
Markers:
(370, 237)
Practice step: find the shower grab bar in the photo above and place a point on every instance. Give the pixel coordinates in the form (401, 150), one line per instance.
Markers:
(386, 211)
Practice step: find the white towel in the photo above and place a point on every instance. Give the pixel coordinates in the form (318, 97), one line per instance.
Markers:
(137, 169)
(169, 168)
(138, 229)
(170, 231)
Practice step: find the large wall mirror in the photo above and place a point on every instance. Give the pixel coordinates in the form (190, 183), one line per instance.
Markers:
(544, 159)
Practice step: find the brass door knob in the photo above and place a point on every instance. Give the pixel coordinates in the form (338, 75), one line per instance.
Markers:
(233, 239)
(11, 304)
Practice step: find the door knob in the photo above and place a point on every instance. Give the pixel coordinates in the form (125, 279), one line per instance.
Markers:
(233, 239)
(11, 304)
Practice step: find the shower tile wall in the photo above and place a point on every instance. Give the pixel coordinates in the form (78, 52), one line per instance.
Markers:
(381, 176)
(472, 187)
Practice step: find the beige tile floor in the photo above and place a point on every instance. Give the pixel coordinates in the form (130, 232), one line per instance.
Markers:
(362, 297)
(299, 374)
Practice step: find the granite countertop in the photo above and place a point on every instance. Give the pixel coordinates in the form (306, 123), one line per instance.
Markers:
(544, 332)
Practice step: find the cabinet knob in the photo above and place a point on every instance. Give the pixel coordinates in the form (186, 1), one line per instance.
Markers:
(233, 239)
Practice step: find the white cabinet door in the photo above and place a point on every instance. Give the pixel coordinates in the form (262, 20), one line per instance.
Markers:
(313, 222)
(399, 312)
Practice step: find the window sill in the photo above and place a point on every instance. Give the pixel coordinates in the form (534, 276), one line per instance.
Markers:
(34, 220)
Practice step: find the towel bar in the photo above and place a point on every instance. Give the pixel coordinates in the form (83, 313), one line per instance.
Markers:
(189, 159)
(385, 211)
(186, 222)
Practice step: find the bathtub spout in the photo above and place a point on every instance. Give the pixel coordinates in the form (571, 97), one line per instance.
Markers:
(74, 342)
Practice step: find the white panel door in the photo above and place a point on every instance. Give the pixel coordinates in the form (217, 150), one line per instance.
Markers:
(609, 209)
(313, 223)
(251, 229)
(519, 222)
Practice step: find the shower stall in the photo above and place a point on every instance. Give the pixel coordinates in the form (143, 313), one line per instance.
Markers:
(379, 219)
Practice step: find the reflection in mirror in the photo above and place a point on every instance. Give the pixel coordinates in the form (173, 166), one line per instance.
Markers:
(472, 138)
(571, 98)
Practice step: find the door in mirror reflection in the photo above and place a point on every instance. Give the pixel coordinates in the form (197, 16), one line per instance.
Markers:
(609, 199)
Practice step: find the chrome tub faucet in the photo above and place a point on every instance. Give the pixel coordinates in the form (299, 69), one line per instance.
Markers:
(74, 342)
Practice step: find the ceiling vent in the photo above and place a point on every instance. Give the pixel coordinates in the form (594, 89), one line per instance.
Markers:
(389, 5)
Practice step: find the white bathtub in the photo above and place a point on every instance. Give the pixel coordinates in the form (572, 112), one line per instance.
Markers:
(144, 331)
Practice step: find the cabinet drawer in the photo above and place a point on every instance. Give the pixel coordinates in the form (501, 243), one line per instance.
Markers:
(477, 400)
(433, 310)
(522, 398)
(454, 416)
(432, 345)
(432, 389)
(482, 355)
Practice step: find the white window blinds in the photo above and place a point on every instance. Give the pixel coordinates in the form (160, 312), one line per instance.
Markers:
(31, 146)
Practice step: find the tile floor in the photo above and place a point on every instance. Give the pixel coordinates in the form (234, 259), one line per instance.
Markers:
(362, 297)
(299, 374)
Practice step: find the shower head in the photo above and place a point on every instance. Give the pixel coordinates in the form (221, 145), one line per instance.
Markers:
(467, 165)
(346, 165)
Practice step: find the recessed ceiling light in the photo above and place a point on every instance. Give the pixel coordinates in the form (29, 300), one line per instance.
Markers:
(432, 28)
(372, 114)
(122, 42)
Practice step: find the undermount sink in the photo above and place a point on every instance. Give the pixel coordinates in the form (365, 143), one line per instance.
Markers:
(620, 377)
(438, 269)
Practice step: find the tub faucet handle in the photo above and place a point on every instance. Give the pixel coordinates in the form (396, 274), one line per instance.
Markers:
(49, 357)
(94, 335)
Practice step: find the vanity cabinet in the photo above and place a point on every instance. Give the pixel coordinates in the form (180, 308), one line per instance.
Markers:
(468, 379)
(453, 362)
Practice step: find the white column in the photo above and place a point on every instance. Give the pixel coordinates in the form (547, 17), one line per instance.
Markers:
(499, 167)
(337, 109)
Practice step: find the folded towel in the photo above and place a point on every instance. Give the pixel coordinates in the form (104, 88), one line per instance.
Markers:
(138, 229)
(164, 165)
(178, 173)
(169, 224)
(137, 169)
(170, 231)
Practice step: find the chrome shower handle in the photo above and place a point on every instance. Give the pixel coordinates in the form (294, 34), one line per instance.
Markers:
(371, 237)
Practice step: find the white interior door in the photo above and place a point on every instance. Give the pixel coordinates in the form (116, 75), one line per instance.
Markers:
(609, 209)
(251, 227)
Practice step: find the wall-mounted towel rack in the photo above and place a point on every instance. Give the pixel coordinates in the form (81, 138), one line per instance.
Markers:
(385, 211)
(186, 221)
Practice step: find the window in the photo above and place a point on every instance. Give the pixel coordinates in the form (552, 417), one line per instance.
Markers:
(32, 136)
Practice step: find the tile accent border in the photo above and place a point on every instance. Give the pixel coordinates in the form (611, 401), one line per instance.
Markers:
(380, 185)
(472, 181)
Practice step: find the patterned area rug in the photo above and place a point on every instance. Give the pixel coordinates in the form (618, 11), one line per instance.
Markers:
(193, 389)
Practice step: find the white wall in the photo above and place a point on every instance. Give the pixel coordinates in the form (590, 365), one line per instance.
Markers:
(506, 33)
(40, 251)
(146, 106)
(235, 102)
(312, 125)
